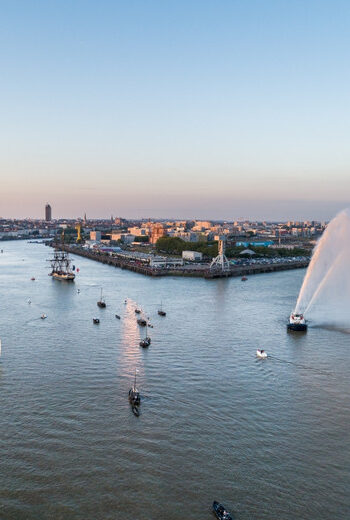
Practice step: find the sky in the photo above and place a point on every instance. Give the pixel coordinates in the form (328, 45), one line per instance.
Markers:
(188, 109)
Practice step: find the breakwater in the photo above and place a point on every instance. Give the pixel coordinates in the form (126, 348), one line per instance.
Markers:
(197, 270)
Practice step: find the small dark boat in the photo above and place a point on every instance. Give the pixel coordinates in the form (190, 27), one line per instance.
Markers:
(161, 312)
(32, 279)
(244, 278)
(134, 395)
(117, 316)
(96, 320)
(142, 322)
(137, 311)
(146, 341)
(101, 303)
(220, 512)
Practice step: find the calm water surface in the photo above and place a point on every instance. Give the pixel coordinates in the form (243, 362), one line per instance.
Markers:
(270, 439)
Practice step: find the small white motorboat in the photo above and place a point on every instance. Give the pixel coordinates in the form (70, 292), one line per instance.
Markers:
(43, 316)
(261, 354)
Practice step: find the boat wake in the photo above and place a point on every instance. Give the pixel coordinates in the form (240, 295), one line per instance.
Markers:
(301, 366)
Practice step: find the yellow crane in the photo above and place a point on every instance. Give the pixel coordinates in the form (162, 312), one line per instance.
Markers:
(78, 228)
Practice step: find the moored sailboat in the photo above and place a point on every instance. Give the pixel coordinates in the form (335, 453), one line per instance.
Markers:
(135, 398)
(101, 303)
(160, 311)
(146, 341)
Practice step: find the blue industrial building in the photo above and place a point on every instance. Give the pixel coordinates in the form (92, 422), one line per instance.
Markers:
(267, 243)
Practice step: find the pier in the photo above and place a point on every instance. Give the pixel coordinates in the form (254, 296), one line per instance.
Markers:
(196, 270)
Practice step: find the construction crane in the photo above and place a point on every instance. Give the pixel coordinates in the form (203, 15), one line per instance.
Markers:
(78, 228)
(220, 262)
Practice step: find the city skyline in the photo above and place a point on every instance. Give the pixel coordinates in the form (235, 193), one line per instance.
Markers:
(247, 213)
(178, 111)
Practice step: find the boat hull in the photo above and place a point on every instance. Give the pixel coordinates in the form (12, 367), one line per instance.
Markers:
(298, 327)
(68, 277)
(134, 397)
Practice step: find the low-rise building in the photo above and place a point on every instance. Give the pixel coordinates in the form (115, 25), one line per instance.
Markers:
(95, 236)
(192, 256)
(163, 261)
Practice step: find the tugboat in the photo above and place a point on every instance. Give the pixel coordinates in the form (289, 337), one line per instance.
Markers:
(297, 323)
(160, 311)
(101, 303)
(142, 322)
(61, 266)
(134, 398)
(146, 341)
(220, 512)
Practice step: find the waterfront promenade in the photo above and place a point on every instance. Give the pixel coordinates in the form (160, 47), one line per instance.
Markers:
(195, 270)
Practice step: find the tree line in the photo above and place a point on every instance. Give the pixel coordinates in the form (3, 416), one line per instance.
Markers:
(175, 246)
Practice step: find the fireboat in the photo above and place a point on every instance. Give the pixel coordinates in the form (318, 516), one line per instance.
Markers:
(297, 322)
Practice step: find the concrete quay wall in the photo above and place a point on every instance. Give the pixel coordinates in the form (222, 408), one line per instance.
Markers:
(204, 272)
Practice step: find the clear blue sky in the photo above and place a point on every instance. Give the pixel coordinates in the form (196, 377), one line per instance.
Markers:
(179, 108)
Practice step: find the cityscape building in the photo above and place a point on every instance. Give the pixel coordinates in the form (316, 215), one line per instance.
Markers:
(157, 231)
(48, 212)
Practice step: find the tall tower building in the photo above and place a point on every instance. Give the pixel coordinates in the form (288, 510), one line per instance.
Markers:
(47, 212)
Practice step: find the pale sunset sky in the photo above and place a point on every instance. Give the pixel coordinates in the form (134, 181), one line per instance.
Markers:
(180, 109)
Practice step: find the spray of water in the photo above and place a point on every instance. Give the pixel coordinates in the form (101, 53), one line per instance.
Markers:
(325, 293)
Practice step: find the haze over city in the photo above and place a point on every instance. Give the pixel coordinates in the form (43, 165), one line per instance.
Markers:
(183, 110)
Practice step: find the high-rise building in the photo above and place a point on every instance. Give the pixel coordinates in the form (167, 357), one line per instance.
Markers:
(47, 212)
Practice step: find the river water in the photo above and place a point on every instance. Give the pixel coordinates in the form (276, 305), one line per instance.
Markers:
(268, 438)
